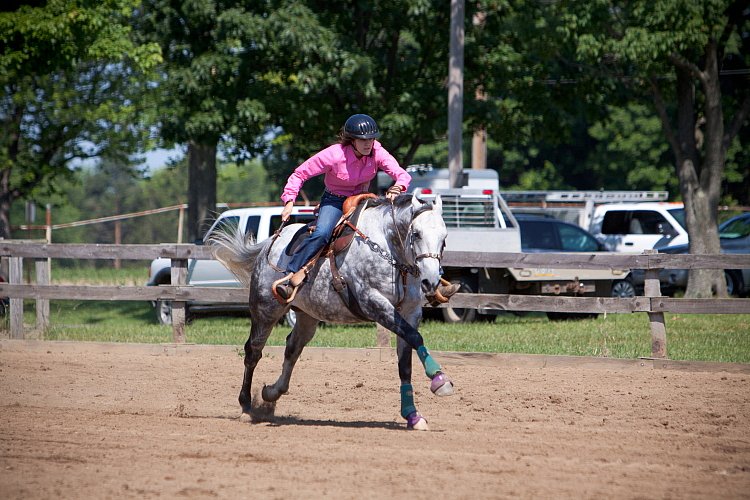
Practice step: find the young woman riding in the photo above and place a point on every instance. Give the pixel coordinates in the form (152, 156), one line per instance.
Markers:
(348, 166)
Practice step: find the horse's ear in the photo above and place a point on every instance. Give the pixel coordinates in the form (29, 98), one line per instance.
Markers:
(438, 205)
(416, 202)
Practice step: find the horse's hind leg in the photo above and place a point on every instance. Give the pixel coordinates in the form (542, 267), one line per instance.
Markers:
(259, 332)
(301, 334)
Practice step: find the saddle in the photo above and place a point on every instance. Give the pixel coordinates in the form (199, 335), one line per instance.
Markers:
(341, 239)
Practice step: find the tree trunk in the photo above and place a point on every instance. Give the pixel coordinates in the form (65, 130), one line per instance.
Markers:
(700, 184)
(6, 201)
(201, 188)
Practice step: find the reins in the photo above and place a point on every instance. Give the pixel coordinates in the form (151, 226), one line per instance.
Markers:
(403, 269)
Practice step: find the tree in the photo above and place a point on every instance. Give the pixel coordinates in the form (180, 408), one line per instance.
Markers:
(677, 49)
(67, 69)
(386, 59)
(214, 87)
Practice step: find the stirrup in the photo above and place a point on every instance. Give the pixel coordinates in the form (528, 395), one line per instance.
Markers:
(284, 282)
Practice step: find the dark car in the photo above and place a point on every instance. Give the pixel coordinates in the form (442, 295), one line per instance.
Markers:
(546, 234)
(734, 237)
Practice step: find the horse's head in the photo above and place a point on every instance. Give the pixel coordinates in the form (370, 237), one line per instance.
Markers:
(426, 238)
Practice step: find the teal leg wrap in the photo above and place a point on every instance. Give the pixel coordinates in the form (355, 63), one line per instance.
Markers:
(431, 367)
(407, 400)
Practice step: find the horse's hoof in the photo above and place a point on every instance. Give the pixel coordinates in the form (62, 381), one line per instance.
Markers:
(246, 418)
(270, 394)
(416, 422)
(441, 385)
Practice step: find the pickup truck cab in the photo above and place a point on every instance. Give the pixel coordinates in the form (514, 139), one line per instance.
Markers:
(635, 227)
(261, 222)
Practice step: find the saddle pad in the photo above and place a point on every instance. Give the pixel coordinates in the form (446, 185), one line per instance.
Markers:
(301, 235)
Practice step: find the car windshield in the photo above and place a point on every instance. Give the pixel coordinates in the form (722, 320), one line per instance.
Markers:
(679, 215)
(735, 228)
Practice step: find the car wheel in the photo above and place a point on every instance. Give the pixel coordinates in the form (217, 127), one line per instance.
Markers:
(733, 283)
(290, 318)
(623, 289)
(164, 312)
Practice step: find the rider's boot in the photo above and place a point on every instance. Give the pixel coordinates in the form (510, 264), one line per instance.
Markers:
(448, 289)
(288, 288)
(444, 291)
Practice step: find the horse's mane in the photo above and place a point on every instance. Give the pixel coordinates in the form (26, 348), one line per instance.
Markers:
(402, 202)
(401, 207)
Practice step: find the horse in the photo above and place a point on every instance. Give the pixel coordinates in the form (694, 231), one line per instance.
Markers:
(392, 262)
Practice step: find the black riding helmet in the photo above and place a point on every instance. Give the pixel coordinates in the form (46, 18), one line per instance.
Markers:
(361, 127)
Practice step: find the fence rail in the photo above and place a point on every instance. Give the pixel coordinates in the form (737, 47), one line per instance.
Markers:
(652, 303)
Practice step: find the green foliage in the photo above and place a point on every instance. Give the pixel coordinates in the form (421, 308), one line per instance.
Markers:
(385, 59)
(691, 337)
(247, 183)
(564, 94)
(631, 152)
(69, 72)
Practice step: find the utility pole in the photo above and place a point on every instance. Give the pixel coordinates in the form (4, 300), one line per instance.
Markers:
(456, 93)
(479, 139)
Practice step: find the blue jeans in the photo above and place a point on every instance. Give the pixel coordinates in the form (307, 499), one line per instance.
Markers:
(331, 209)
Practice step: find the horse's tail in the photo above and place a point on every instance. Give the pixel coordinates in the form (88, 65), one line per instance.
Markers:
(236, 251)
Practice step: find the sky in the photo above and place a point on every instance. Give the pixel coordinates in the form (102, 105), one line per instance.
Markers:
(158, 158)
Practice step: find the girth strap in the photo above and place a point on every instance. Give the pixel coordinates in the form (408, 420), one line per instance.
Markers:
(344, 290)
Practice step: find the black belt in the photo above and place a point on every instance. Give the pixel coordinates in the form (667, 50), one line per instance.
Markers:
(336, 195)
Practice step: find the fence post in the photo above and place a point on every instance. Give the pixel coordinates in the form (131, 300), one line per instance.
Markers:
(15, 277)
(179, 278)
(383, 336)
(652, 288)
(42, 305)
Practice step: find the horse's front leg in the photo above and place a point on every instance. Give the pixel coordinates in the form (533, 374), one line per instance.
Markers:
(441, 384)
(298, 338)
(414, 420)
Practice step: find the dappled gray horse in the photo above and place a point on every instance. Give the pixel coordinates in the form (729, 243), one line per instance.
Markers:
(393, 260)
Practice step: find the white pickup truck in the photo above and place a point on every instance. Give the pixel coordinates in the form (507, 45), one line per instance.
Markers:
(262, 222)
(479, 220)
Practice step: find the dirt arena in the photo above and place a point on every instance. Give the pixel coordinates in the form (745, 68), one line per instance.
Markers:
(132, 421)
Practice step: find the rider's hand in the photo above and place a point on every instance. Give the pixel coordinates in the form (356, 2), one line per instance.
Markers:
(393, 191)
(287, 211)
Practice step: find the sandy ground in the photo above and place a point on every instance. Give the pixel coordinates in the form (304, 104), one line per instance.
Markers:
(116, 421)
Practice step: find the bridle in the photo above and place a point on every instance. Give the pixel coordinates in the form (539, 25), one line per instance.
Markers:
(403, 269)
(412, 269)
(410, 236)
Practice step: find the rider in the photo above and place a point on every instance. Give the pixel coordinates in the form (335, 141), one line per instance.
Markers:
(348, 166)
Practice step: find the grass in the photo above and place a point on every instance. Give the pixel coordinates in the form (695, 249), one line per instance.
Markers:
(702, 337)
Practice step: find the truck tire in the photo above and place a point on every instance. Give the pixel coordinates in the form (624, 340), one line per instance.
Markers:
(464, 315)
(164, 312)
(623, 289)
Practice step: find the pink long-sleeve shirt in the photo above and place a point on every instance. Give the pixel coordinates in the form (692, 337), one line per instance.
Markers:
(345, 174)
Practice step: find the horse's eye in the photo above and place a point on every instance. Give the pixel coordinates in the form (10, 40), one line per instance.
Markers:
(417, 236)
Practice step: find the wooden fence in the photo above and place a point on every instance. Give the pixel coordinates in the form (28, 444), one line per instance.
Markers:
(651, 303)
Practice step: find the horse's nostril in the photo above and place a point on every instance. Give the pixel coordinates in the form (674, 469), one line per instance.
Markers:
(426, 286)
